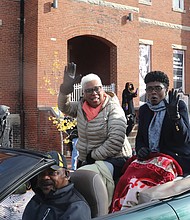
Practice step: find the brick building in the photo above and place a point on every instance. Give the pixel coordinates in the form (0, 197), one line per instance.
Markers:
(103, 37)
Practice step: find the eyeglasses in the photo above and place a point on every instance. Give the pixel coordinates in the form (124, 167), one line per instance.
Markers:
(155, 88)
(91, 90)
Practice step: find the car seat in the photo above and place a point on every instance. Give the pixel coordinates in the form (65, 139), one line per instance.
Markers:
(93, 189)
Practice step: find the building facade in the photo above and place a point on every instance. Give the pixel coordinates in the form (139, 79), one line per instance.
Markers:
(118, 40)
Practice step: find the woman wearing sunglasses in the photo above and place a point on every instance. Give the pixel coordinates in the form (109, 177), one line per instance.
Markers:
(163, 122)
(101, 121)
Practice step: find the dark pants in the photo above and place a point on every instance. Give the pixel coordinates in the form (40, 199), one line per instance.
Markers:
(117, 163)
(130, 123)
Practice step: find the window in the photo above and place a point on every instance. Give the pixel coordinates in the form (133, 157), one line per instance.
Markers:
(178, 69)
(144, 68)
(178, 4)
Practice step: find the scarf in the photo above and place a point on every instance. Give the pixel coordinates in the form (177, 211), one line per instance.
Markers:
(155, 126)
(91, 113)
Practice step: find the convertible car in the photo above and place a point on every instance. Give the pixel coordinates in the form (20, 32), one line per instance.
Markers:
(168, 201)
(17, 167)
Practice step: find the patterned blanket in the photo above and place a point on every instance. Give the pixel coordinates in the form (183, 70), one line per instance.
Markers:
(138, 175)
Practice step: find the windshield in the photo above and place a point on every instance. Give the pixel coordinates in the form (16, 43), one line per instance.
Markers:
(15, 166)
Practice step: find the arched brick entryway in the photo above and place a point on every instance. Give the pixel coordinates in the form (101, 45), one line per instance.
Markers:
(94, 54)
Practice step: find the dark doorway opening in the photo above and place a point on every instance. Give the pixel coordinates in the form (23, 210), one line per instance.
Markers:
(92, 55)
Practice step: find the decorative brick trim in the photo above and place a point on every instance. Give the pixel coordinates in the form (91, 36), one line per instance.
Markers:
(143, 41)
(179, 47)
(164, 24)
(111, 5)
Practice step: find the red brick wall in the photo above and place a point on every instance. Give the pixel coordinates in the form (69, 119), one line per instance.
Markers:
(9, 54)
(9, 59)
(73, 19)
(44, 24)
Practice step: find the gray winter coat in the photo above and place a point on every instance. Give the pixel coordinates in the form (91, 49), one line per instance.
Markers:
(6, 134)
(105, 135)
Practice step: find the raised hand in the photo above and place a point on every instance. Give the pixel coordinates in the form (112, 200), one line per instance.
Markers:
(172, 106)
(70, 79)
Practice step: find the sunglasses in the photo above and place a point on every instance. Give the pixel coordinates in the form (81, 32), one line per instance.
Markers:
(96, 89)
(155, 88)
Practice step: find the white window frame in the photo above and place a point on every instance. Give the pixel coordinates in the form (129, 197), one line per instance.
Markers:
(178, 5)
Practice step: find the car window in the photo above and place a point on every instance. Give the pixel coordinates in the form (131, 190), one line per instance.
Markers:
(13, 206)
(13, 167)
(17, 167)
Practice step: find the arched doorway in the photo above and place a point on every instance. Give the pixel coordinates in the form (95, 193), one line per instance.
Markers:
(93, 54)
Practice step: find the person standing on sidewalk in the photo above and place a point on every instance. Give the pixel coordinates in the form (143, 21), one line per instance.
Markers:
(74, 154)
(6, 129)
(128, 106)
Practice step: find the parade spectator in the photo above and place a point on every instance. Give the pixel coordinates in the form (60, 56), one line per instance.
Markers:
(74, 153)
(128, 106)
(6, 129)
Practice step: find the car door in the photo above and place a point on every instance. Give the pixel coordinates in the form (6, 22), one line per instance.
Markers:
(181, 205)
(152, 211)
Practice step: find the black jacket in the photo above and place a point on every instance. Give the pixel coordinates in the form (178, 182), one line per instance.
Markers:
(174, 137)
(127, 101)
(64, 204)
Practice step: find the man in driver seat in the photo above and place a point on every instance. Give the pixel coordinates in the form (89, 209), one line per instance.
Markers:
(55, 196)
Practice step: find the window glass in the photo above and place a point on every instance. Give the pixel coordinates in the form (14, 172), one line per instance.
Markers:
(144, 68)
(178, 4)
(178, 69)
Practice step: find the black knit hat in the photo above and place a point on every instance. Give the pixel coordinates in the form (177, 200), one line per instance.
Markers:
(59, 158)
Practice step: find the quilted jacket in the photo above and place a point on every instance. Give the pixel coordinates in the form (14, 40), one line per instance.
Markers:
(105, 135)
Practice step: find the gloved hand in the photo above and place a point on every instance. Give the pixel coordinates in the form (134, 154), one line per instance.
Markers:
(136, 92)
(69, 79)
(143, 153)
(89, 159)
(172, 106)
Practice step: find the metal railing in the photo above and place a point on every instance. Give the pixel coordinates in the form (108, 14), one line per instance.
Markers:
(75, 96)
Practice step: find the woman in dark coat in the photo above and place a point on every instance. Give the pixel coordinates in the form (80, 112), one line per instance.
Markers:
(128, 106)
(163, 124)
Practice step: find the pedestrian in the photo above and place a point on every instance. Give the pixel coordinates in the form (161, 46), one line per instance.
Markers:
(101, 122)
(6, 129)
(55, 196)
(163, 122)
(128, 106)
(74, 153)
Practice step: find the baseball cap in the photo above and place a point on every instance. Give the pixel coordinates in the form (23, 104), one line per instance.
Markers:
(59, 158)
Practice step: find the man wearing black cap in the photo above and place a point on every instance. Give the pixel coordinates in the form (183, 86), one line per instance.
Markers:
(55, 197)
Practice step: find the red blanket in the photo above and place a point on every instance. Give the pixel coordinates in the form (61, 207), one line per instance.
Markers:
(157, 169)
